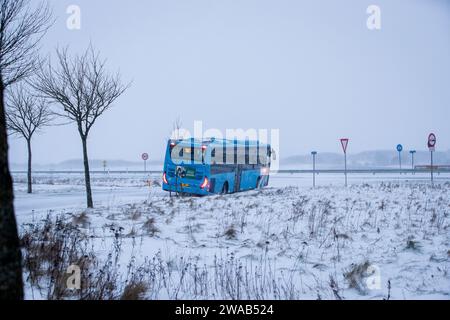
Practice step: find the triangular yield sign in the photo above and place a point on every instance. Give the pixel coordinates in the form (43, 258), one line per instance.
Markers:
(344, 143)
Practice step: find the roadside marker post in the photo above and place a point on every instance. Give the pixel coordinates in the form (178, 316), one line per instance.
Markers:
(344, 143)
(314, 153)
(412, 152)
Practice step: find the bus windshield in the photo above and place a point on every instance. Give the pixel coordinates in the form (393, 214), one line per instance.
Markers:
(181, 154)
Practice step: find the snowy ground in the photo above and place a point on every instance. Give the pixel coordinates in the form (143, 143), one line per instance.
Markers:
(383, 236)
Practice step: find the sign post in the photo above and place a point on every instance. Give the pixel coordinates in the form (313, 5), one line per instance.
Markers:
(344, 143)
(314, 153)
(400, 149)
(145, 158)
(432, 148)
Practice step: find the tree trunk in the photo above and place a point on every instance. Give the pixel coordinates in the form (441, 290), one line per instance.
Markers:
(87, 175)
(11, 283)
(30, 189)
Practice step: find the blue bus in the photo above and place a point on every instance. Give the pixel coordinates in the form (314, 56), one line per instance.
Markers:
(213, 166)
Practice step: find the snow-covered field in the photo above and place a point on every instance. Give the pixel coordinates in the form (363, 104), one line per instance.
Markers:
(382, 237)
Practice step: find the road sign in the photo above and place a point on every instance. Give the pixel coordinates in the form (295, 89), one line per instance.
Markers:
(145, 158)
(432, 141)
(399, 148)
(344, 143)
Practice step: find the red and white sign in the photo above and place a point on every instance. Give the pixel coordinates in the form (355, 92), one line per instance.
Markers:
(344, 143)
(145, 156)
(432, 141)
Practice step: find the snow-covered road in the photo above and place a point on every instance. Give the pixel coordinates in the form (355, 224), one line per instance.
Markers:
(55, 192)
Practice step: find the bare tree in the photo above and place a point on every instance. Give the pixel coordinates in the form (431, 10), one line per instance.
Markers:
(25, 115)
(176, 127)
(21, 28)
(83, 89)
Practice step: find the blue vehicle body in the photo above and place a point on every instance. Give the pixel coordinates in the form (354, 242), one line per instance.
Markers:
(204, 167)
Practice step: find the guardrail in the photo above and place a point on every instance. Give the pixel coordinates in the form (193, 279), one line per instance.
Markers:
(374, 171)
(300, 171)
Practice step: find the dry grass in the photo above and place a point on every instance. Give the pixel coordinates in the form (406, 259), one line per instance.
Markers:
(50, 247)
(412, 244)
(230, 233)
(355, 276)
(150, 227)
(134, 291)
(81, 220)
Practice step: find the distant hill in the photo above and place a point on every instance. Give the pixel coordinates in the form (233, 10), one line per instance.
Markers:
(366, 159)
(94, 165)
(325, 160)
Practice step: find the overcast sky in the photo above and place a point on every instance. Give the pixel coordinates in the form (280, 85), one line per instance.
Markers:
(309, 68)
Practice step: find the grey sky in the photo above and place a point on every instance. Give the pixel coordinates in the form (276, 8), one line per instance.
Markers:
(310, 68)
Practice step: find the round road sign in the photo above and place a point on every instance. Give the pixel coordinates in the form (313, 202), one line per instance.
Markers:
(431, 140)
(145, 156)
(399, 148)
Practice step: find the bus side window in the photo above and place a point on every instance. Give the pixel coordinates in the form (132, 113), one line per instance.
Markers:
(241, 155)
(253, 155)
(229, 155)
(217, 156)
(247, 153)
(262, 156)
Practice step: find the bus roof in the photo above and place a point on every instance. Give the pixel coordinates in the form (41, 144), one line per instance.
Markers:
(217, 142)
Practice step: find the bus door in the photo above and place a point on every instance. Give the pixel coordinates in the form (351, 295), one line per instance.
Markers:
(237, 178)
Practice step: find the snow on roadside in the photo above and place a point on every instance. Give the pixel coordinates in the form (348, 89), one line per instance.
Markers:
(363, 242)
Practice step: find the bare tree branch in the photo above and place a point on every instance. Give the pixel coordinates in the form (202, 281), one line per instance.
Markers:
(177, 125)
(82, 89)
(81, 86)
(22, 26)
(26, 113)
